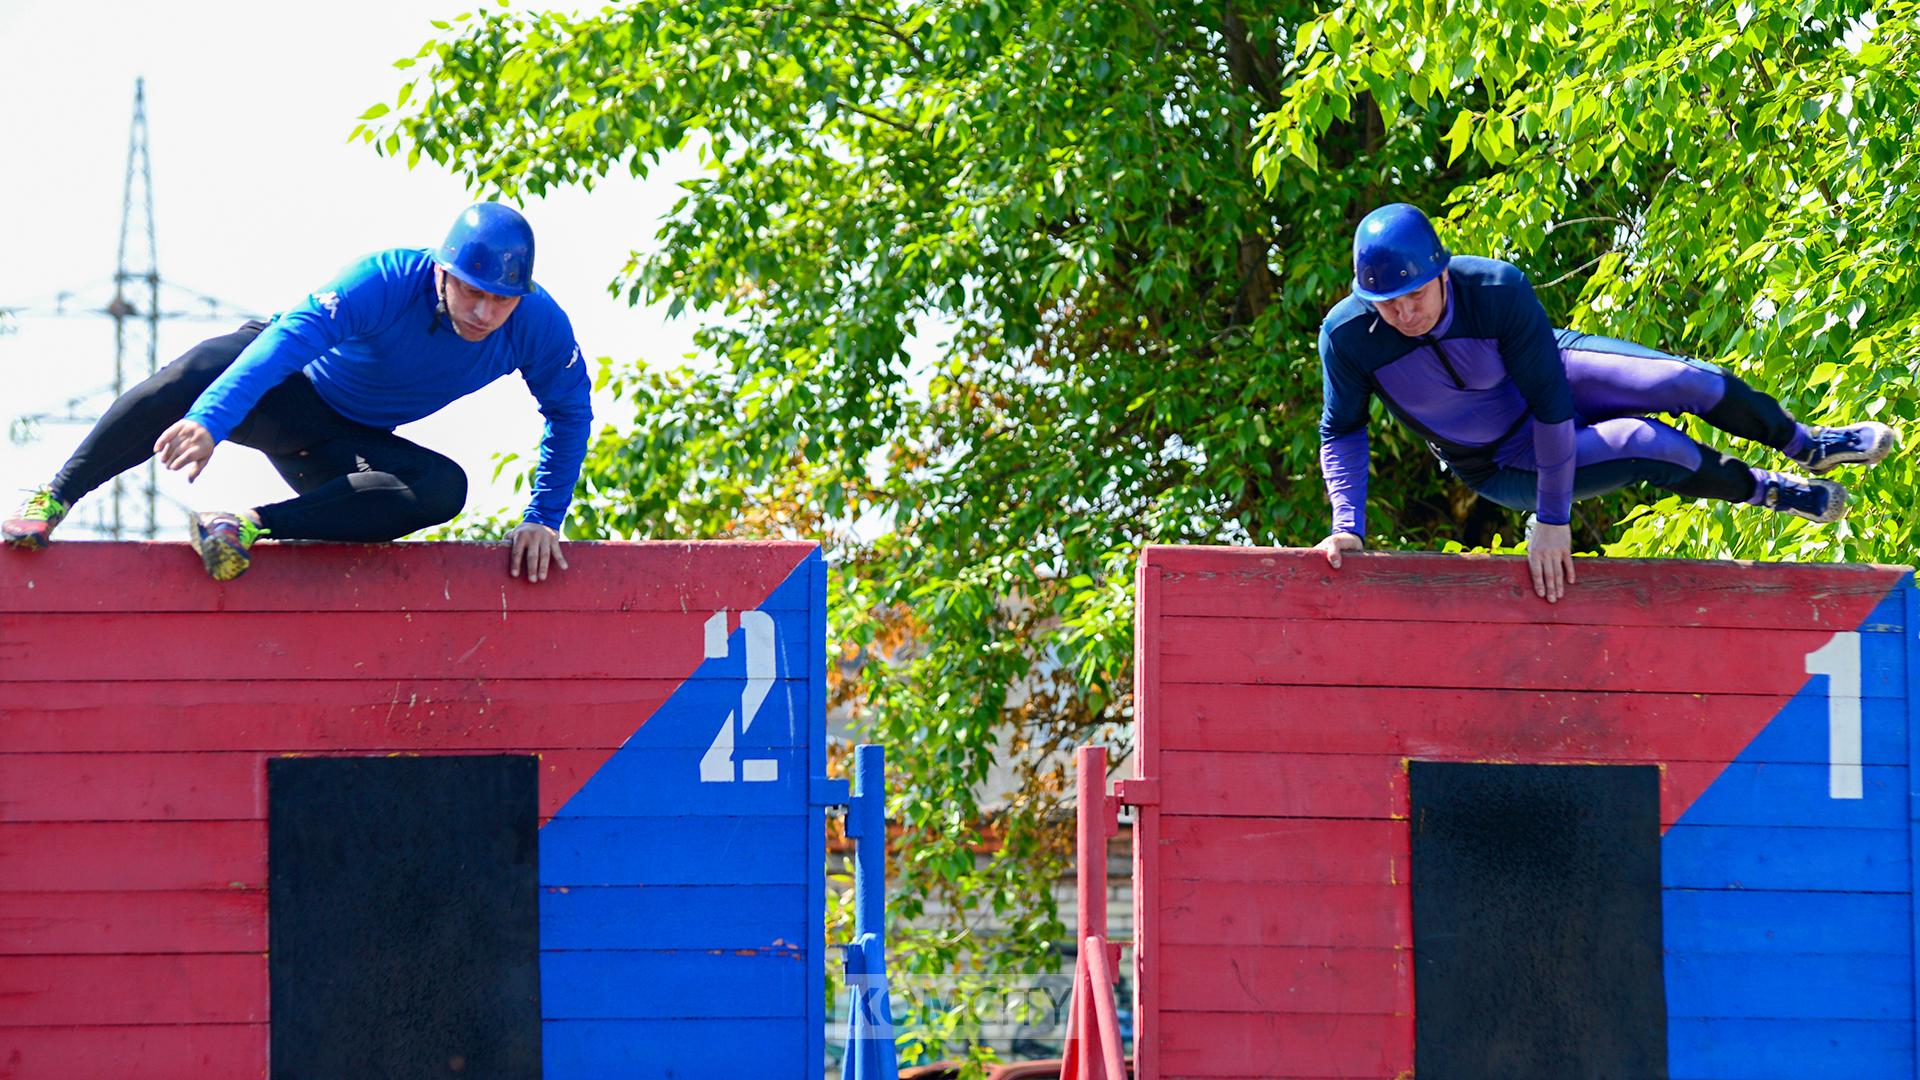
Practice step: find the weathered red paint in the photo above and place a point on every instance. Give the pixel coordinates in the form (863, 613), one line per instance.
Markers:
(1278, 701)
(139, 703)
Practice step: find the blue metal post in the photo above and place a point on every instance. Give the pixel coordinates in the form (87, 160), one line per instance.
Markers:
(867, 824)
(870, 1049)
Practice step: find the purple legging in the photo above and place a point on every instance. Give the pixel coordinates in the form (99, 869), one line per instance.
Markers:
(1615, 382)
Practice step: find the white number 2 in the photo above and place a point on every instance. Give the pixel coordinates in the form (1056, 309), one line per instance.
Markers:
(717, 764)
(1839, 661)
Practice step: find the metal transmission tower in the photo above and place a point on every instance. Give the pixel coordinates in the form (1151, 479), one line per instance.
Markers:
(124, 311)
(136, 311)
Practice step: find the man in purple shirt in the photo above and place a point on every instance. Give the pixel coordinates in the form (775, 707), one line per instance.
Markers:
(1532, 418)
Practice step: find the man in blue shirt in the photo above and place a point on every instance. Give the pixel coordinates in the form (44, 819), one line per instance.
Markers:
(396, 337)
(1532, 418)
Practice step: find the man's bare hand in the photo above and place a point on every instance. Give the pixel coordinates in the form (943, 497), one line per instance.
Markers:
(185, 445)
(536, 545)
(1337, 543)
(1550, 558)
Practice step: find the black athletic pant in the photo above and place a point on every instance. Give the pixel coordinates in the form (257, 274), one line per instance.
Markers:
(355, 482)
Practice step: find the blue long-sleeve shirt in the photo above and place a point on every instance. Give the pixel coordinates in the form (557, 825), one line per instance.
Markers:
(377, 352)
(1487, 381)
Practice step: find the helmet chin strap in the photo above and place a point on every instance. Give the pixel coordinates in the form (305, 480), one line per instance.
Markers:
(440, 309)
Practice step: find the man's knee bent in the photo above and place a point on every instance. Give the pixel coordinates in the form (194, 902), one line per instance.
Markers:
(440, 492)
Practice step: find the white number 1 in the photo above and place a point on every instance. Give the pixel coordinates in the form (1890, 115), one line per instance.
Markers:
(1839, 661)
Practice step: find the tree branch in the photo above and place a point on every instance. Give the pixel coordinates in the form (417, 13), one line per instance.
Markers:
(1581, 269)
(871, 115)
(882, 25)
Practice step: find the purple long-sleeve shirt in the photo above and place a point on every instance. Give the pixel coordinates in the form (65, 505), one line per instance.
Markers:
(1486, 388)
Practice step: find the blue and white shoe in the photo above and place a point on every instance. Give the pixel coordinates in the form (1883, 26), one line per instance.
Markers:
(1865, 443)
(1816, 500)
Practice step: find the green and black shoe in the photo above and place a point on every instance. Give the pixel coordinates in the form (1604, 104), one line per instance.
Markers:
(224, 542)
(31, 527)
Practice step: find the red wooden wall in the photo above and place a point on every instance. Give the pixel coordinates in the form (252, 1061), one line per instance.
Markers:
(1279, 701)
(139, 703)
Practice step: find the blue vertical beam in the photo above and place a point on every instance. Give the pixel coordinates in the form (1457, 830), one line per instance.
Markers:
(1910, 630)
(870, 851)
(817, 814)
(870, 1049)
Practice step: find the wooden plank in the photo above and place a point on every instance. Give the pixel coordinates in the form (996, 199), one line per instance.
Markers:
(1471, 655)
(1497, 724)
(162, 1052)
(1806, 986)
(199, 646)
(1284, 913)
(1409, 586)
(167, 577)
(693, 851)
(105, 923)
(232, 786)
(1787, 1049)
(1788, 923)
(1203, 1044)
(134, 856)
(816, 740)
(1911, 604)
(627, 786)
(67, 991)
(1286, 979)
(1282, 785)
(133, 787)
(1375, 786)
(682, 1047)
(1331, 852)
(661, 985)
(1744, 793)
(328, 715)
(1785, 859)
(673, 917)
(1150, 843)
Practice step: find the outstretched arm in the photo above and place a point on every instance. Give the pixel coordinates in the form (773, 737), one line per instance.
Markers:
(1343, 449)
(1533, 360)
(559, 382)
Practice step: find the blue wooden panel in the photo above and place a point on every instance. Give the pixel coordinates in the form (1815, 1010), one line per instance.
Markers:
(632, 787)
(780, 722)
(1803, 966)
(674, 851)
(1787, 923)
(1784, 859)
(1749, 793)
(1910, 599)
(700, 1049)
(816, 835)
(1779, 986)
(1778, 1049)
(713, 965)
(1798, 732)
(741, 983)
(673, 917)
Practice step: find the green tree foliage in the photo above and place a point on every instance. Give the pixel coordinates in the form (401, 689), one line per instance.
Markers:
(1746, 169)
(1118, 327)
(1024, 286)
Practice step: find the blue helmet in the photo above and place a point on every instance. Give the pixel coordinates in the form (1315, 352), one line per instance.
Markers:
(490, 248)
(1395, 251)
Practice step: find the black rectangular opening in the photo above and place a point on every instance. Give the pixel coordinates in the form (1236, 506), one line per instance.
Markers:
(1537, 942)
(403, 924)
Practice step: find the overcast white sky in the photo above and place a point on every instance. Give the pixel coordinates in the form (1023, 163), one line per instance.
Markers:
(258, 197)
